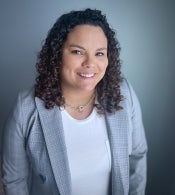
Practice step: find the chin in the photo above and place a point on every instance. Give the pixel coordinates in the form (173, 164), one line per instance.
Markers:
(88, 89)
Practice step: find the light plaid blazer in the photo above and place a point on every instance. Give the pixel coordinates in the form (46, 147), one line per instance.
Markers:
(35, 157)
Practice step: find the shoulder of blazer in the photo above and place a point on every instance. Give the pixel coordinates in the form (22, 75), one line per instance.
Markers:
(130, 96)
(125, 88)
(26, 97)
(25, 110)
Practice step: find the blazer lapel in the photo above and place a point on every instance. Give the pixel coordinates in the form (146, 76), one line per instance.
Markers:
(54, 137)
(117, 125)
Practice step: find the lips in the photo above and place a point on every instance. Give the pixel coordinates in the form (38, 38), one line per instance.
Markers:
(89, 75)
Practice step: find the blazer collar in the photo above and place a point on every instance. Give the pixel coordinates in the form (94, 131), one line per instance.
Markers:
(117, 125)
(54, 137)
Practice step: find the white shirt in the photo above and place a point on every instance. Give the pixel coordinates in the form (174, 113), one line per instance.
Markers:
(88, 153)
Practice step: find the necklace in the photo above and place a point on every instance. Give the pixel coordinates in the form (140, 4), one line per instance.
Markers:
(80, 108)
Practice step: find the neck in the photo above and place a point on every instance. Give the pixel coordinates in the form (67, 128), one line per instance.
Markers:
(79, 105)
(78, 98)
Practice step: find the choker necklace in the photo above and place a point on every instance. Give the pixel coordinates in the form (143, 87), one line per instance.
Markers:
(80, 108)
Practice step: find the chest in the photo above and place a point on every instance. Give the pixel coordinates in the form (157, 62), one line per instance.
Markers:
(89, 153)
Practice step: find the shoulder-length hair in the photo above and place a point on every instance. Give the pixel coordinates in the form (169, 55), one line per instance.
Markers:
(48, 81)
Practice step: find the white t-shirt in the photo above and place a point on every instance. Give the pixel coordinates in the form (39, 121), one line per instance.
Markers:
(88, 153)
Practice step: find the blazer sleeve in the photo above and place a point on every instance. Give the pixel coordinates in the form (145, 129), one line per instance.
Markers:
(137, 158)
(14, 158)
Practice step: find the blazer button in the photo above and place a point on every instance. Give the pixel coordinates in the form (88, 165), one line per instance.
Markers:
(43, 178)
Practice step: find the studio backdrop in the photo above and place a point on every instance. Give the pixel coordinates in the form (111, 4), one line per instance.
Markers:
(146, 32)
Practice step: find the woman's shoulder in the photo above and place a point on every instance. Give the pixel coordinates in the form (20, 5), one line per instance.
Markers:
(27, 95)
(125, 87)
(23, 109)
(128, 92)
(125, 84)
(25, 100)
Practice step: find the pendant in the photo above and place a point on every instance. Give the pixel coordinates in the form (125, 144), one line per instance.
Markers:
(80, 108)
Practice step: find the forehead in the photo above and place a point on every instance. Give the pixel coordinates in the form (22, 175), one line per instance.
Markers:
(87, 34)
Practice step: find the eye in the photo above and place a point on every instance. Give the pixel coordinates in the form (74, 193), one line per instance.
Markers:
(99, 54)
(77, 52)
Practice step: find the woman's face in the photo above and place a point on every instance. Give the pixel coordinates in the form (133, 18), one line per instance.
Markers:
(84, 58)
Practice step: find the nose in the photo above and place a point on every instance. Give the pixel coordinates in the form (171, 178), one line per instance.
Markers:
(88, 62)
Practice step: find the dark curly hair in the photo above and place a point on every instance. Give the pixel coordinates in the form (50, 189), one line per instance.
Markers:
(48, 81)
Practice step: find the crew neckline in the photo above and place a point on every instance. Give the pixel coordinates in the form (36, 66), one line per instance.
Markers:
(90, 117)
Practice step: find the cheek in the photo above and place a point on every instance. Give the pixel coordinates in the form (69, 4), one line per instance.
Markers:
(103, 67)
(102, 72)
(67, 67)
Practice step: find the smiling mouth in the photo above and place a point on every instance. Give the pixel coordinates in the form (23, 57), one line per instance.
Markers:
(86, 75)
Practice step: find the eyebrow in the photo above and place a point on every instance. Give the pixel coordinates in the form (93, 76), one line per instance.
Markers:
(80, 47)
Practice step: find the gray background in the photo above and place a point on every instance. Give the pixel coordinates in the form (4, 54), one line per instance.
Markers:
(146, 31)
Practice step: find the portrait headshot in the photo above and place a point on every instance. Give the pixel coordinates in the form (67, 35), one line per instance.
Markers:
(87, 102)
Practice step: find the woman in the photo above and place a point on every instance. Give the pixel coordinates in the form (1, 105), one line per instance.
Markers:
(79, 131)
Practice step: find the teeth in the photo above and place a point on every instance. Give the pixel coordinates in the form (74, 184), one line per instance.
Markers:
(87, 75)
